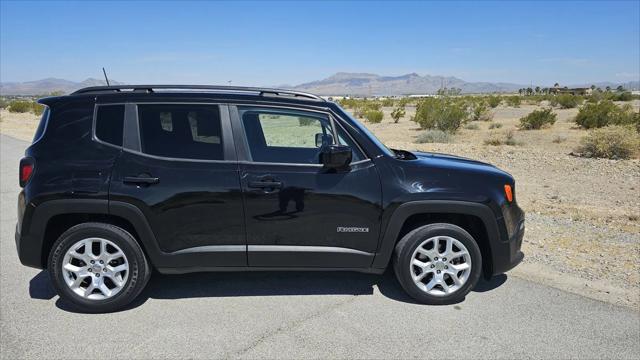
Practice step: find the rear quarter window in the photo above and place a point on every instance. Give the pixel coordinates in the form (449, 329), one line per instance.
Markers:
(109, 124)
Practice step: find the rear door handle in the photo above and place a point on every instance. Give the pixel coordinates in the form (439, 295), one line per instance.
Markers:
(140, 180)
(265, 184)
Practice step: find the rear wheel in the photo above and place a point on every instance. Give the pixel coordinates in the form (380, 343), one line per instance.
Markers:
(98, 267)
(438, 263)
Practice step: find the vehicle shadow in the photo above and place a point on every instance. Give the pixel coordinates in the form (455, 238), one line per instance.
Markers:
(276, 283)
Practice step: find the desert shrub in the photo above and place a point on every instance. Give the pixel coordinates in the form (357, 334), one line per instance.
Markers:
(611, 142)
(538, 119)
(559, 139)
(622, 96)
(19, 106)
(497, 139)
(513, 101)
(567, 101)
(433, 136)
(495, 126)
(472, 126)
(603, 113)
(3, 104)
(440, 113)
(374, 116)
(494, 101)
(480, 111)
(387, 102)
(37, 108)
(398, 113)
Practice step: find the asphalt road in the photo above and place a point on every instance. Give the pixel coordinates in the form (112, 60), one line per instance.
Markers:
(298, 315)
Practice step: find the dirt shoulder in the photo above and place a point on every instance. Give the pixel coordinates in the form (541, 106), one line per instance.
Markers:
(583, 215)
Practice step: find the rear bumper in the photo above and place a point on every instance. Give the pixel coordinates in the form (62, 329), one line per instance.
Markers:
(507, 255)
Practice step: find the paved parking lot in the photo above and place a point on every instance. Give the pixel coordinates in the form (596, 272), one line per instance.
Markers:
(298, 315)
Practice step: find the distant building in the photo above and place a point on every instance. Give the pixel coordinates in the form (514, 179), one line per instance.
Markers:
(573, 91)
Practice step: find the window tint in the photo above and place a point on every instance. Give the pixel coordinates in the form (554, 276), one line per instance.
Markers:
(109, 123)
(288, 136)
(181, 131)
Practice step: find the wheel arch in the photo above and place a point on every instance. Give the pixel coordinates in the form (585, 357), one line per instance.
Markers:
(475, 218)
(54, 217)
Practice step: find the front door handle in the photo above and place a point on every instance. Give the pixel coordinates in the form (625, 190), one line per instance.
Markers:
(140, 180)
(265, 184)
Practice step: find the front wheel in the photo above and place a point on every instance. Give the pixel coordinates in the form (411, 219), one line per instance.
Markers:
(98, 267)
(438, 263)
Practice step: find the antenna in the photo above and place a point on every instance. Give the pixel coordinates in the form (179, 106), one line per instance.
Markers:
(105, 77)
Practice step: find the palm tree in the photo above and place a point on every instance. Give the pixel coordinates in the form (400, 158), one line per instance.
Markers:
(608, 88)
(593, 87)
(620, 88)
(556, 85)
(537, 89)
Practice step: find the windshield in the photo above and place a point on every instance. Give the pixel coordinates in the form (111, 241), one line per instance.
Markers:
(367, 132)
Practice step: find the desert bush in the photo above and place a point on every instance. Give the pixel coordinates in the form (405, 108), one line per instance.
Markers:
(472, 126)
(3, 104)
(440, 113)
(19, 106)
(373, 116)
(387, 102)
(538, 119)
(495, 126)
(497, 139)
(622, 96)
(398, 113)
(434, 136)
(494, 101)
(567, 101)
(603, 113)
(480, 111)
(37, 108)
(513, 101)
(611, 142)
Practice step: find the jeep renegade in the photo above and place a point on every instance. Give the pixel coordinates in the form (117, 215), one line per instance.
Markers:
(120, 180)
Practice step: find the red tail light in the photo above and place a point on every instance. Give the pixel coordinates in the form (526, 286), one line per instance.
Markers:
(26, 170)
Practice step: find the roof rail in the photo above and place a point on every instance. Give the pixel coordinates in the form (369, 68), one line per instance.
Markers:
(151, 88)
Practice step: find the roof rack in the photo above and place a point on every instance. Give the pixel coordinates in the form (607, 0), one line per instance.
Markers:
(152, 88)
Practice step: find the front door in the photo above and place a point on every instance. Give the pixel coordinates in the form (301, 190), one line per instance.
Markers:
(297, 213)
(180, 171)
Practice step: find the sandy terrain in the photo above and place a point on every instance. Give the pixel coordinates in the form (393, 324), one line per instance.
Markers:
(583, 215)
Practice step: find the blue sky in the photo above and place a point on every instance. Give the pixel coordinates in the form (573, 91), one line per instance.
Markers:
(274, 43)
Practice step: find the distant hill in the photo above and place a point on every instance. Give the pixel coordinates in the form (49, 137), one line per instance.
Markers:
(344, 83)
(341, 83)
(49, 85)
(371, 84)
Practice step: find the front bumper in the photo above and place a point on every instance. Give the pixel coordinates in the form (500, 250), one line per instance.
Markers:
(507, 255)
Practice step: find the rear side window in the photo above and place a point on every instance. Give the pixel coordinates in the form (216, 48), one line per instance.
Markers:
(42, 126)
(181, 131)
(109, 123)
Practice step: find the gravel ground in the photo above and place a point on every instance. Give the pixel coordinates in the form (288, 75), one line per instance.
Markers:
(298, 315)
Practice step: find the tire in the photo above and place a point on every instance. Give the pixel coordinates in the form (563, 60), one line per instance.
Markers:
(428, 236)
(127, 284)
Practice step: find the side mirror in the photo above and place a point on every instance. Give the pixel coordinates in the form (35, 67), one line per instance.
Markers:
(335, 156)
(323, 140)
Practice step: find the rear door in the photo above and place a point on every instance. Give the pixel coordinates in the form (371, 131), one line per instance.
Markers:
(180, 169)
(297, 213)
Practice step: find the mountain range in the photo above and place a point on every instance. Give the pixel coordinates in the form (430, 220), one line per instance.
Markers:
(49, 85)
(342, 83)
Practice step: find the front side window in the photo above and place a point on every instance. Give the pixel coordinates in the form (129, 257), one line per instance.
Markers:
(289, 136)
(109, 123)
(181, 131)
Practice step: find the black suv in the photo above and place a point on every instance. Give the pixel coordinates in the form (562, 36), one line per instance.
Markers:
(121, 180)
